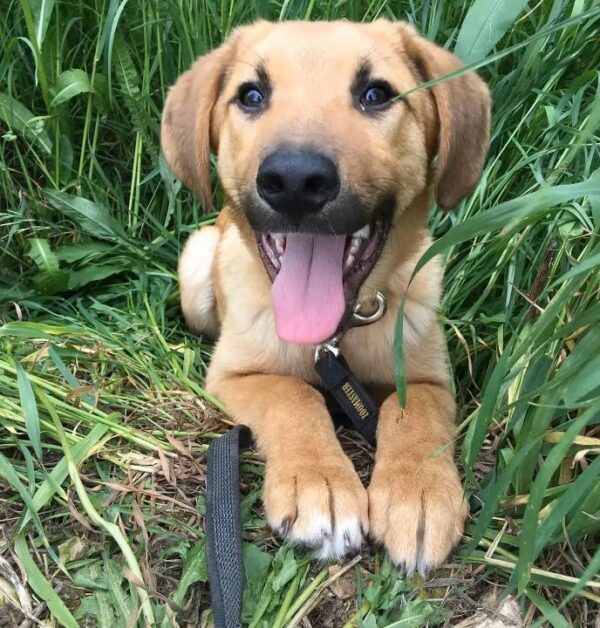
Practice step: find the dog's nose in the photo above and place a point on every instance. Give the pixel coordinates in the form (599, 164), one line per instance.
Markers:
(297, 181)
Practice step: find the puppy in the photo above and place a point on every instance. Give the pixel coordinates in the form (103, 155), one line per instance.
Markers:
(328, 172)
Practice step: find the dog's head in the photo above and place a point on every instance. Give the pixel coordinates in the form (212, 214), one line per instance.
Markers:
(318, 149)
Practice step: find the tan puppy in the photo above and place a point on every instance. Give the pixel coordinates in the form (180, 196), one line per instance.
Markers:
(328, 174)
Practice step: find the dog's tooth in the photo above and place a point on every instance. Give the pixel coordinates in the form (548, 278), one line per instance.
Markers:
(354, 246)
(362, 233)
(279, 243)
(349, 261)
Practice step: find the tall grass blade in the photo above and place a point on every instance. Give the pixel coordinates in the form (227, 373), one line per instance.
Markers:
(41, 586)
(24, 122)
(30, 410)
(486, 22)
(68, 85)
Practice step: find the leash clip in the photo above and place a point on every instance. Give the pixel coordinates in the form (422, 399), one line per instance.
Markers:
(331, 346)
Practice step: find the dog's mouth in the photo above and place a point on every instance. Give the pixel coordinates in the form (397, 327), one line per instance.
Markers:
(316, 278)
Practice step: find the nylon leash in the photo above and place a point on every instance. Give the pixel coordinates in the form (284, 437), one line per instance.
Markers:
(223, 527)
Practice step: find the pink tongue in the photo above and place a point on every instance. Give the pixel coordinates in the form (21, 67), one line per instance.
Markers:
(308, 292)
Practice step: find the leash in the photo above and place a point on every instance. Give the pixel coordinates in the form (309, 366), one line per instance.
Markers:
(223, 527)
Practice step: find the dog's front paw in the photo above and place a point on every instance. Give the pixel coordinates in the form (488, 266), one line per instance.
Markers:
(417, 512)
(321, 504)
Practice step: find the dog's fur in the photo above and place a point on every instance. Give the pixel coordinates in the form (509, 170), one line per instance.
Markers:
(414, 504)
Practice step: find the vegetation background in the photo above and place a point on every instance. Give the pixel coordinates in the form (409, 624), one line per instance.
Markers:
(104, 421)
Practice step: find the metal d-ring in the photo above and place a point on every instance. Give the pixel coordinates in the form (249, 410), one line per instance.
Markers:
(358, 319)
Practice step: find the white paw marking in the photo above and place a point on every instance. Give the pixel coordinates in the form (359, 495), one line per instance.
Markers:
(346, 538)
(316, 530)
(329, 544)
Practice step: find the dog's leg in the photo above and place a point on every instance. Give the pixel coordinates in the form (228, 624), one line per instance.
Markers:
(416, 505)
(312, 494)
(195, 281)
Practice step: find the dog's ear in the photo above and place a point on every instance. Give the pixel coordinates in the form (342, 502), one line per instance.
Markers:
(462, 125)
(186, 133)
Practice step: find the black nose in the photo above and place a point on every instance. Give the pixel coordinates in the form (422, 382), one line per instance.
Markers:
(297, 181)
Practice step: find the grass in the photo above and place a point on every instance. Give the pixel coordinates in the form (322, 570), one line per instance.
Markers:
(105, 422)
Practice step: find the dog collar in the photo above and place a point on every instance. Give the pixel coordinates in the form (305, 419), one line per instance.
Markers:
(357, 319)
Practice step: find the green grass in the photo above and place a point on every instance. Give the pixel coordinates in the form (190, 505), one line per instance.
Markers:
(104, 419)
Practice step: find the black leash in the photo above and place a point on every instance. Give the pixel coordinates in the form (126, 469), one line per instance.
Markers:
(223, 527)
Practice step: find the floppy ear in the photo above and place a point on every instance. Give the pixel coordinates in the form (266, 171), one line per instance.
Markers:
(186, 122)
(463, 118)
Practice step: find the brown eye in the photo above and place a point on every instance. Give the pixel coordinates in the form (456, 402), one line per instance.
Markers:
(250, 96)
(376, 96)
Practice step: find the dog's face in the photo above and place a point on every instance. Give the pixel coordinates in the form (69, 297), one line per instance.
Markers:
(312, 128)
(319, 151)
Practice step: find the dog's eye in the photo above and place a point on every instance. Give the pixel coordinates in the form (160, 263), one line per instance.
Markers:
(250, 96)
(376, 96)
